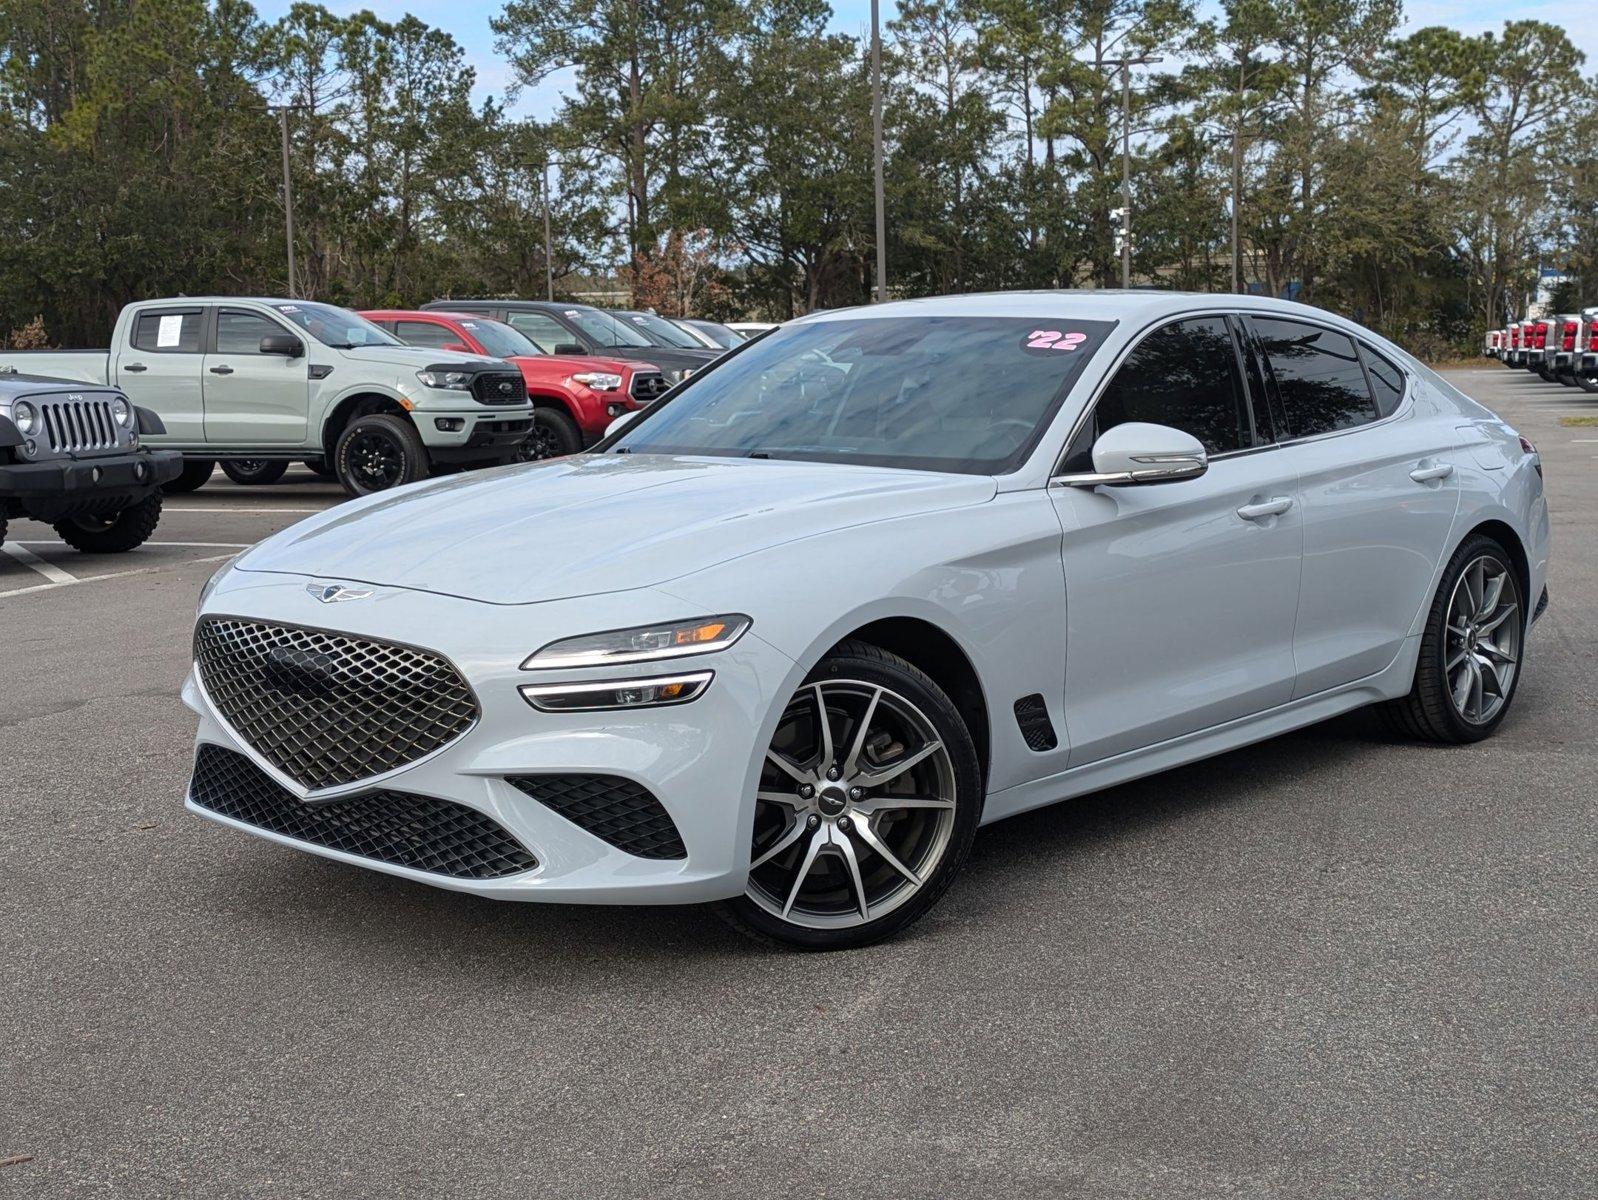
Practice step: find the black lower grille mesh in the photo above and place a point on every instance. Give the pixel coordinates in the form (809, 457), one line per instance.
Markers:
(613, 809)
(420, 832)
(1032, 715)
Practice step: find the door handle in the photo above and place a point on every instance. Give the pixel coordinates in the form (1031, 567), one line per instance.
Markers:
(1436, 471)
(1260, 509)
(224, 369)
(134, 367)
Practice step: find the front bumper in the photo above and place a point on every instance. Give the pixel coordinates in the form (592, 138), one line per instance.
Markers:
(57, 488)
(474, 434)
(701, 760)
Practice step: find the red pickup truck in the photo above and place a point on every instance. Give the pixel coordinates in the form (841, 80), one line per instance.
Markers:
(574, 398)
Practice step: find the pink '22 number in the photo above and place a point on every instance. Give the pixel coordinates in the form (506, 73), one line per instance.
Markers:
(1053, 339)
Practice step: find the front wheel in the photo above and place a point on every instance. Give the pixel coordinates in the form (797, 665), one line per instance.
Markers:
(113, 534)
(554, 435)
(254, 470)
(1470, 654)
(379, 452)
(868, 801)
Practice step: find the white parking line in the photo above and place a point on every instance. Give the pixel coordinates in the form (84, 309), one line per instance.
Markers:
(174, 508)
(70, 582)
(29, 559)
(192, 545)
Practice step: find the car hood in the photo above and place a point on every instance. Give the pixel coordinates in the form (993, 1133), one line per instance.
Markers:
(546, 366)
(594, 523)
(421, 357)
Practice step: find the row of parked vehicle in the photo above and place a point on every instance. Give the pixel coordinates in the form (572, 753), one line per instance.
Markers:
(1562, 348)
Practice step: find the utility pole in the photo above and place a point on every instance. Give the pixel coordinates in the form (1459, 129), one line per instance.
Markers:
(876, 151)
(288, 193)
(1125, 215)
(1237, 187)
(549, 249)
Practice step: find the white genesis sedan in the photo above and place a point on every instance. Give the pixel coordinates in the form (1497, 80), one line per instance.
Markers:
(790, 636)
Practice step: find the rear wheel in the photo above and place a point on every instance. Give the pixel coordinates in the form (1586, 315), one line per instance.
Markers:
(379, 452)
(254, 470)
(868, 801)
(1587, 383)
(554, 435)
(193, 475)
(1470, 655)
(115, 533)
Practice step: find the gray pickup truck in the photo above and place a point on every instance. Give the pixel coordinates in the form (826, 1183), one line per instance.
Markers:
(71, 456)
(258, 383)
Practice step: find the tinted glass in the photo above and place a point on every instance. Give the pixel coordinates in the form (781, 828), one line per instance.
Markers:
(604, 328)
(336, 327)
(425, 333)
(720, 334)
(541, 329)
(969, 394)
(1387, 381)
(168, 332)
(1318, 377)
(500, 340)
(1183, 375)
(662, 332)
(241, 332)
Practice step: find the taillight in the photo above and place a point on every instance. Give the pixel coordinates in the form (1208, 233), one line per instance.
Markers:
(1540, 337)
(1570, 336)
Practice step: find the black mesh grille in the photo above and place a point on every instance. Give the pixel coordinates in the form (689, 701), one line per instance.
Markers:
(1032, 715)
(613, 809)
(648, 386)
(500, 387)
(420, 832)
(326, 708)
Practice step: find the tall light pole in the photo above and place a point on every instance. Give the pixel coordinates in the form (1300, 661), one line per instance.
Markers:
(876, 152)
(1126, 65)
(288, 192)
(549, 247)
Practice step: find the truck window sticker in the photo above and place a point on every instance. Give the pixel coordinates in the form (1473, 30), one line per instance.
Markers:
(169, 334)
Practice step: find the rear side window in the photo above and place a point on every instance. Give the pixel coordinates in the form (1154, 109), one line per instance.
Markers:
(1387, 381)
(1183, 375)
(1318, 377)
(425, 333)
(168, 332)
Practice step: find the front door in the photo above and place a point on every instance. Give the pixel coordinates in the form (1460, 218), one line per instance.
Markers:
(160, 369)
(1180, 597)
(254, 399)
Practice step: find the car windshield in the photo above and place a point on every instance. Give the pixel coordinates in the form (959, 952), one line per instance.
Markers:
(336, 327)
(499, 339)
(604, 328)
(967, 394)
(662, 332)
(720, 334)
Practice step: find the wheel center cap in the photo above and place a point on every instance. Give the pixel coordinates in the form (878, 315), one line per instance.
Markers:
(833, 800)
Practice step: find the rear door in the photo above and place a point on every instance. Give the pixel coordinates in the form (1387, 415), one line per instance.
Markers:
(160, 368)
(1375, 465)
(1180, 597)
(254, 399)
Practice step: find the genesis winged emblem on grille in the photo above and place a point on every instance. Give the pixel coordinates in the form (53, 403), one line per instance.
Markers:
(335, 593)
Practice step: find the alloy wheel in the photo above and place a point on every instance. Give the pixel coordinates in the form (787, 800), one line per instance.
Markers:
(1483, 639)
(856, 807)
(375, 460)
(541, 443)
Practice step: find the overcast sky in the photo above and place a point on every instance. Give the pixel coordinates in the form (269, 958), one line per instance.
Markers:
(467, 20)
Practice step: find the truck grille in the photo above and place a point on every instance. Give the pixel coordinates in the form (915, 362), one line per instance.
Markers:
(72, 426)
(500, 387)
(420, 832)
(326, 708)
(648, 386)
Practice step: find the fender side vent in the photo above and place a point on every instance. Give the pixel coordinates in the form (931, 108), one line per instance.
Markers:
(1037, 731)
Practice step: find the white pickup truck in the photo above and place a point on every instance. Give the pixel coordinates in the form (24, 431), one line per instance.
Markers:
(260, 383)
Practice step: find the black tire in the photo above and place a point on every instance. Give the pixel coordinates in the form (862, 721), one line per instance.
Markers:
(1566, 378)
(254, 470)
(1548, 376)
(317, 467)
(946, 845)
(190, 479)
(112, 535)
(1587, 383)
(379, 452)
(1428, 712)
(2, 529)
(554, 435)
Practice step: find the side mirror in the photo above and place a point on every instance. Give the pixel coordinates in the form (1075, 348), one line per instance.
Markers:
(1136, 452)
(575, 348)
(285, 344)
(622, 422)
(458, 347)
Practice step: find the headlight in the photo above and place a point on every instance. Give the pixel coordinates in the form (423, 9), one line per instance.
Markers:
(654, 692)
(216, 578)
(645, 643)
(122, 411)
(454, 381)
(25, 417)
(600, 381)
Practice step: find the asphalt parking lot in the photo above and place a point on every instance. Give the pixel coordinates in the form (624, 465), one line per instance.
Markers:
(1334, 964)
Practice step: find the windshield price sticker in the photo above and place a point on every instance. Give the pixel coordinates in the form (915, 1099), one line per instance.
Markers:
(287, 308)
(1053, 339)
(170, 331)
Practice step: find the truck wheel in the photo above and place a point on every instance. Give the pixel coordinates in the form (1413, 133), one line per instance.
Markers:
(317, 467)
(254, 470)
(195, 472)
(113, 534)
(1587, 383)
(379, 452)
(2, 529)
(554, 435)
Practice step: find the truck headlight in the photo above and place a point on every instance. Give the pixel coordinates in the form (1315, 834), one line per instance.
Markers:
(25, 417)
(642, 643)
(599, 381)
(121, 411)
(453, 381)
